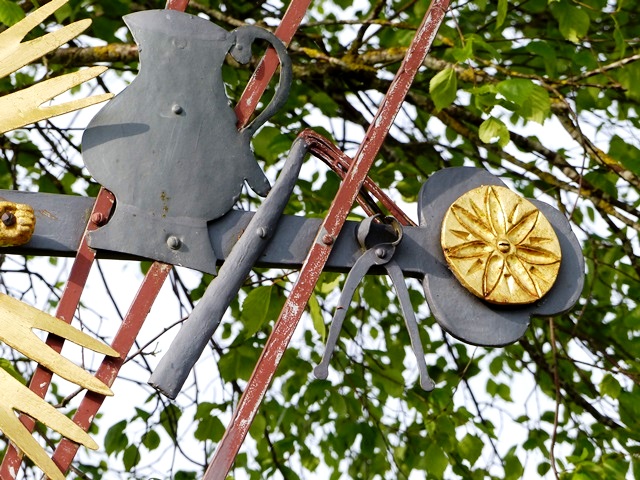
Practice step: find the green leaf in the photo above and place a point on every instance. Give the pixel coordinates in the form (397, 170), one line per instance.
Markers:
(255, 309)
(502, 13)
(8, 367)
(10, 13)
(151, 440)
(443, 88)
(531, 100)
(493, 128)
(573, 21)
(610, 386)
(316, 317)
(471, 448)
(116, 440)
(436, 460)
(169, 419)
(131, 457)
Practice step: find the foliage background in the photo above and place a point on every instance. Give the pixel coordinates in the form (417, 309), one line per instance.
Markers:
(544, 94)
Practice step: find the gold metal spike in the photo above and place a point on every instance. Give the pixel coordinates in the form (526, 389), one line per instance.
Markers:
(17, 397)
(24, 107)
(17, 223)
(17, 319)
(500, 246)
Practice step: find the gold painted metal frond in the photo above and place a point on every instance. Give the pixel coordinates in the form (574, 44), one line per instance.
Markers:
(17, 319)
(25, 107)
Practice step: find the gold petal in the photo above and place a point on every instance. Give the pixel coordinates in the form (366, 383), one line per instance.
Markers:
(493, 273)
(495, 213)
(522, 277)
(536, 255)
(473, 223)
(469, 250)
(519, 232)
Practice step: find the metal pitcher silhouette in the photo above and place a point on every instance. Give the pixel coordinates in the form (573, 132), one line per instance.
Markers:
(168, 146)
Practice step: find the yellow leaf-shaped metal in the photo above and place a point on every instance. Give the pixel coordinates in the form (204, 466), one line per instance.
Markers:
(18, 398)
(15, 54)
(24, 107)
(17, 319)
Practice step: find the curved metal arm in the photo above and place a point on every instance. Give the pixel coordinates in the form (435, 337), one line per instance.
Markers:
(241, 51)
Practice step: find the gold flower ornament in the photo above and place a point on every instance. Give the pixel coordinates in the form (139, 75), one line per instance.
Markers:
(500, 246)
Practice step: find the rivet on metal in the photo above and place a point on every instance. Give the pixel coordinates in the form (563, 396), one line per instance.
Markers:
(327, 239)
(8, 219)
(177, 109)
(381, 253)
(174, 242)
(261, 232)
(98, 218)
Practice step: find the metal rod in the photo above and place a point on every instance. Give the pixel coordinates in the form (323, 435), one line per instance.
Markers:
(278, 341)
(66, 309)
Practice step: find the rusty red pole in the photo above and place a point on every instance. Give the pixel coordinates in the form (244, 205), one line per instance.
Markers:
(286, 324)
(108, 371)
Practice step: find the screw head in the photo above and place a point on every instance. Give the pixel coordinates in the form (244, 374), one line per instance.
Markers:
(174, 242)
(327, 239)
(8, 219)
(177, 109)
(381, 252)
(261, 232)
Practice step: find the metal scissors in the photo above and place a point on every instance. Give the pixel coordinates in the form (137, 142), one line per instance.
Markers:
(380, 254)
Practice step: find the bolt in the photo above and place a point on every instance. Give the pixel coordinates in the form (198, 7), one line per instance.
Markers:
(98, 218)
(381, 252)
(504, 246)
(177, 109)
(8, 219)
(261, 232)
(327, 239)
(173, 242)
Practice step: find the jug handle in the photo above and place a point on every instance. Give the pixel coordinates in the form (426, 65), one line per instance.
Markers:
(241, 50)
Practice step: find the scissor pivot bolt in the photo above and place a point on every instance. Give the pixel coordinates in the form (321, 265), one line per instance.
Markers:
(327, 239)
(174, 242)
(381, 252)
(8, 219)
(98, 218)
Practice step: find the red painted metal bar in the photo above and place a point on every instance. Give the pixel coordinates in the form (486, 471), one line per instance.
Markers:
(108, 371)
(66, 309)
(268, 65)
(339, 162)
(295, 304)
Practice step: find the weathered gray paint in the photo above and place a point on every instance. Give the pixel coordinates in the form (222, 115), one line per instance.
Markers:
(168, 146)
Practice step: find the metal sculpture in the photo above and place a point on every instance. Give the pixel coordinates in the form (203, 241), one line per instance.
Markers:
(488, 260)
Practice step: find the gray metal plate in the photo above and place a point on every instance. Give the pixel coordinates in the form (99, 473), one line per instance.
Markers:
(458, 311)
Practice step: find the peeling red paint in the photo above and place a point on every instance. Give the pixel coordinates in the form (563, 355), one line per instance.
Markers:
(108, 371)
